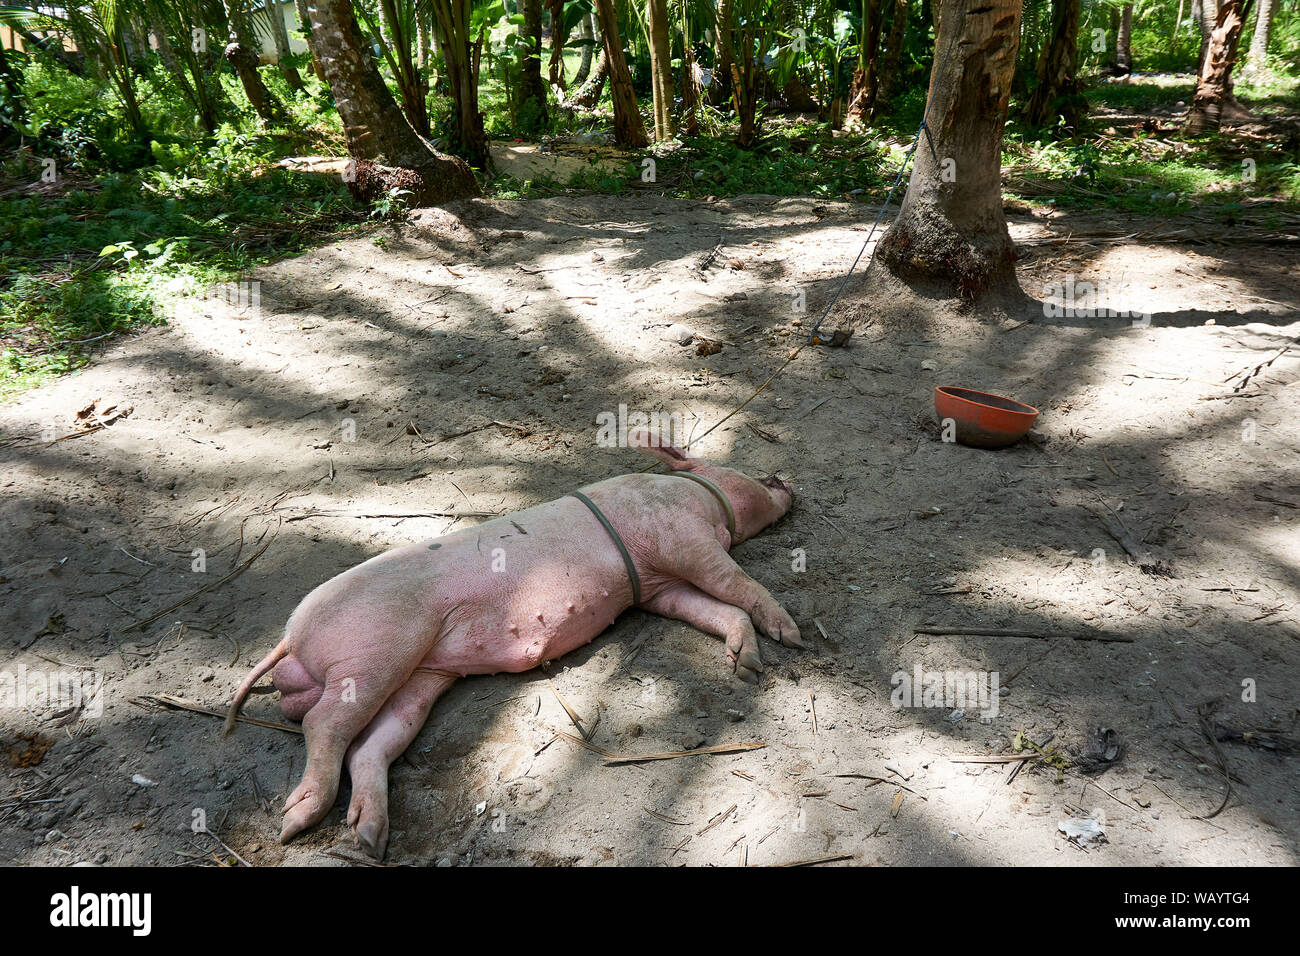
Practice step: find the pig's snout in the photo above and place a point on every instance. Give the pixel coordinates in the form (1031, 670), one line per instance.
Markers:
(777, 484)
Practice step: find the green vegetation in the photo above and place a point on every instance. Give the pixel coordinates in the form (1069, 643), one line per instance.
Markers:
(130, 174)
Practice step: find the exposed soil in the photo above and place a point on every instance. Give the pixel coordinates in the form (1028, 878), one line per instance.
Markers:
(541, 315)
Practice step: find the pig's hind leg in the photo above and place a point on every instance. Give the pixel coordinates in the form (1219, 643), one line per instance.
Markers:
(684, 602)
(345, 708)
(708, 566)
(383, 741)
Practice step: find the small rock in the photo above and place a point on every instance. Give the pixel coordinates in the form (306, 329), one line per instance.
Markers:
(679, 333)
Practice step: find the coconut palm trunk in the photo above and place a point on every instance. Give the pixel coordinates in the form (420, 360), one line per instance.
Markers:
(661, 68)
(1214, 97)
(387, 152)
(588, 94)
(587, 33)
(1124, 42)
(280, 37)
(1257, 59)
(950, 236)
(1057, 91)
(629, 130)
(460, 54)
(862, 87)
(893, 53)
(532, 89)
(304, 21)
(241, 53)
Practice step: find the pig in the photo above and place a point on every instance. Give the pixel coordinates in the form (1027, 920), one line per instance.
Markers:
(366, 654)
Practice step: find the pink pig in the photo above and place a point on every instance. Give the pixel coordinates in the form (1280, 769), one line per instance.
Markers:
(366, 654)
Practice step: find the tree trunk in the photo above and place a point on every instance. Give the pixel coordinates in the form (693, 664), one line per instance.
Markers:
(588, 94)
(532, 91)
(400, 45)
(1057, 91)
(387, 151)
(559, 35)
(862, 87)
(1208, 16)
(950, 236)
(1123, 42)
(893, 53)
(588, 33)
(304, 21)
(1214, 83)
(241, 53)
(1257, 60)
(661, 68)
(280, 36)
(196, 93)
(460, 54)
(629, 130)
(723, 55)
(691, 88)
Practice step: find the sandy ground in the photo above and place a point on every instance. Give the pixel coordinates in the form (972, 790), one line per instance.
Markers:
(318, 422)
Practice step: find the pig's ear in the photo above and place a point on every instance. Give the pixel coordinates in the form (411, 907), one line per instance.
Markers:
(648, 443)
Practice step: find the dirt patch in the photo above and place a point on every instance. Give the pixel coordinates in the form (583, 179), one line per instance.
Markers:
(373, 391)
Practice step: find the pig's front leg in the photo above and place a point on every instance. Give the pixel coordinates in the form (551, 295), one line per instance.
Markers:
(684, 602)
(708, 566)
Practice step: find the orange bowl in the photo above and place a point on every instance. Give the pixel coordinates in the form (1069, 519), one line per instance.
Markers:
(983, 420)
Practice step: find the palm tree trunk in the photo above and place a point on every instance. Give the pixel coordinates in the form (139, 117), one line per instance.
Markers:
(532, 91)
(629, 130)
(241, 53)
(559, 35)
(588, 33)
(862, 87)
(950, 235)
(304, 21)
(893, 53)
(723, 54)
(1214, 83)
(1123, 42)
(387, 151)
(280, 36)
(1257, 59)
(460, 54)
(1208, 16)
(661, 68)
(589, 94)
(1057, 92)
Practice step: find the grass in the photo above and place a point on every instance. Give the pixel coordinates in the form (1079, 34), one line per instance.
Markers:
(96, 251)
(103, 255)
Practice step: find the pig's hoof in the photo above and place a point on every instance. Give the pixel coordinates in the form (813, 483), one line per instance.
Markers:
(372, 837)
(747, 675)
(303, 809)
(788, 635)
